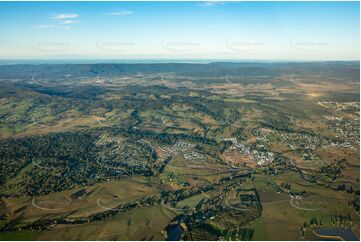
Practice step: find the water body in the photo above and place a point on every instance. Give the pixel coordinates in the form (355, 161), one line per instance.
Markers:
(345, 234)
(175, 232)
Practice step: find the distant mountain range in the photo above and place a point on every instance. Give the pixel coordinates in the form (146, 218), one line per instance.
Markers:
(349, 69)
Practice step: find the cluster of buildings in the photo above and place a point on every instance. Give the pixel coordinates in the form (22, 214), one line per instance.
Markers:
(347, 127)
(184, 149)
(341, 106)
(114, 150)
(347, 133)
(261, 156)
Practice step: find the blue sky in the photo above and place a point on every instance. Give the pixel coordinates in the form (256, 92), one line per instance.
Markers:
(180, 30)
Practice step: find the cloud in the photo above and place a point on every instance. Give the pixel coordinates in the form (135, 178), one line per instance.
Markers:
(45, 26)
(62, 21)
(65, 16)
(69, 22)
(211, 4)
(119, 13)
(51, 26)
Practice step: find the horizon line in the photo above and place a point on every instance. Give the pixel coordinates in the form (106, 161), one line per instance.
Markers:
(163, 60)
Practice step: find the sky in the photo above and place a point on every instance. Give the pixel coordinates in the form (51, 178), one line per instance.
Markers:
(280, 31)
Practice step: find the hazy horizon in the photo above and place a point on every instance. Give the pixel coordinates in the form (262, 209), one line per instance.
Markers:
(156, 61)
